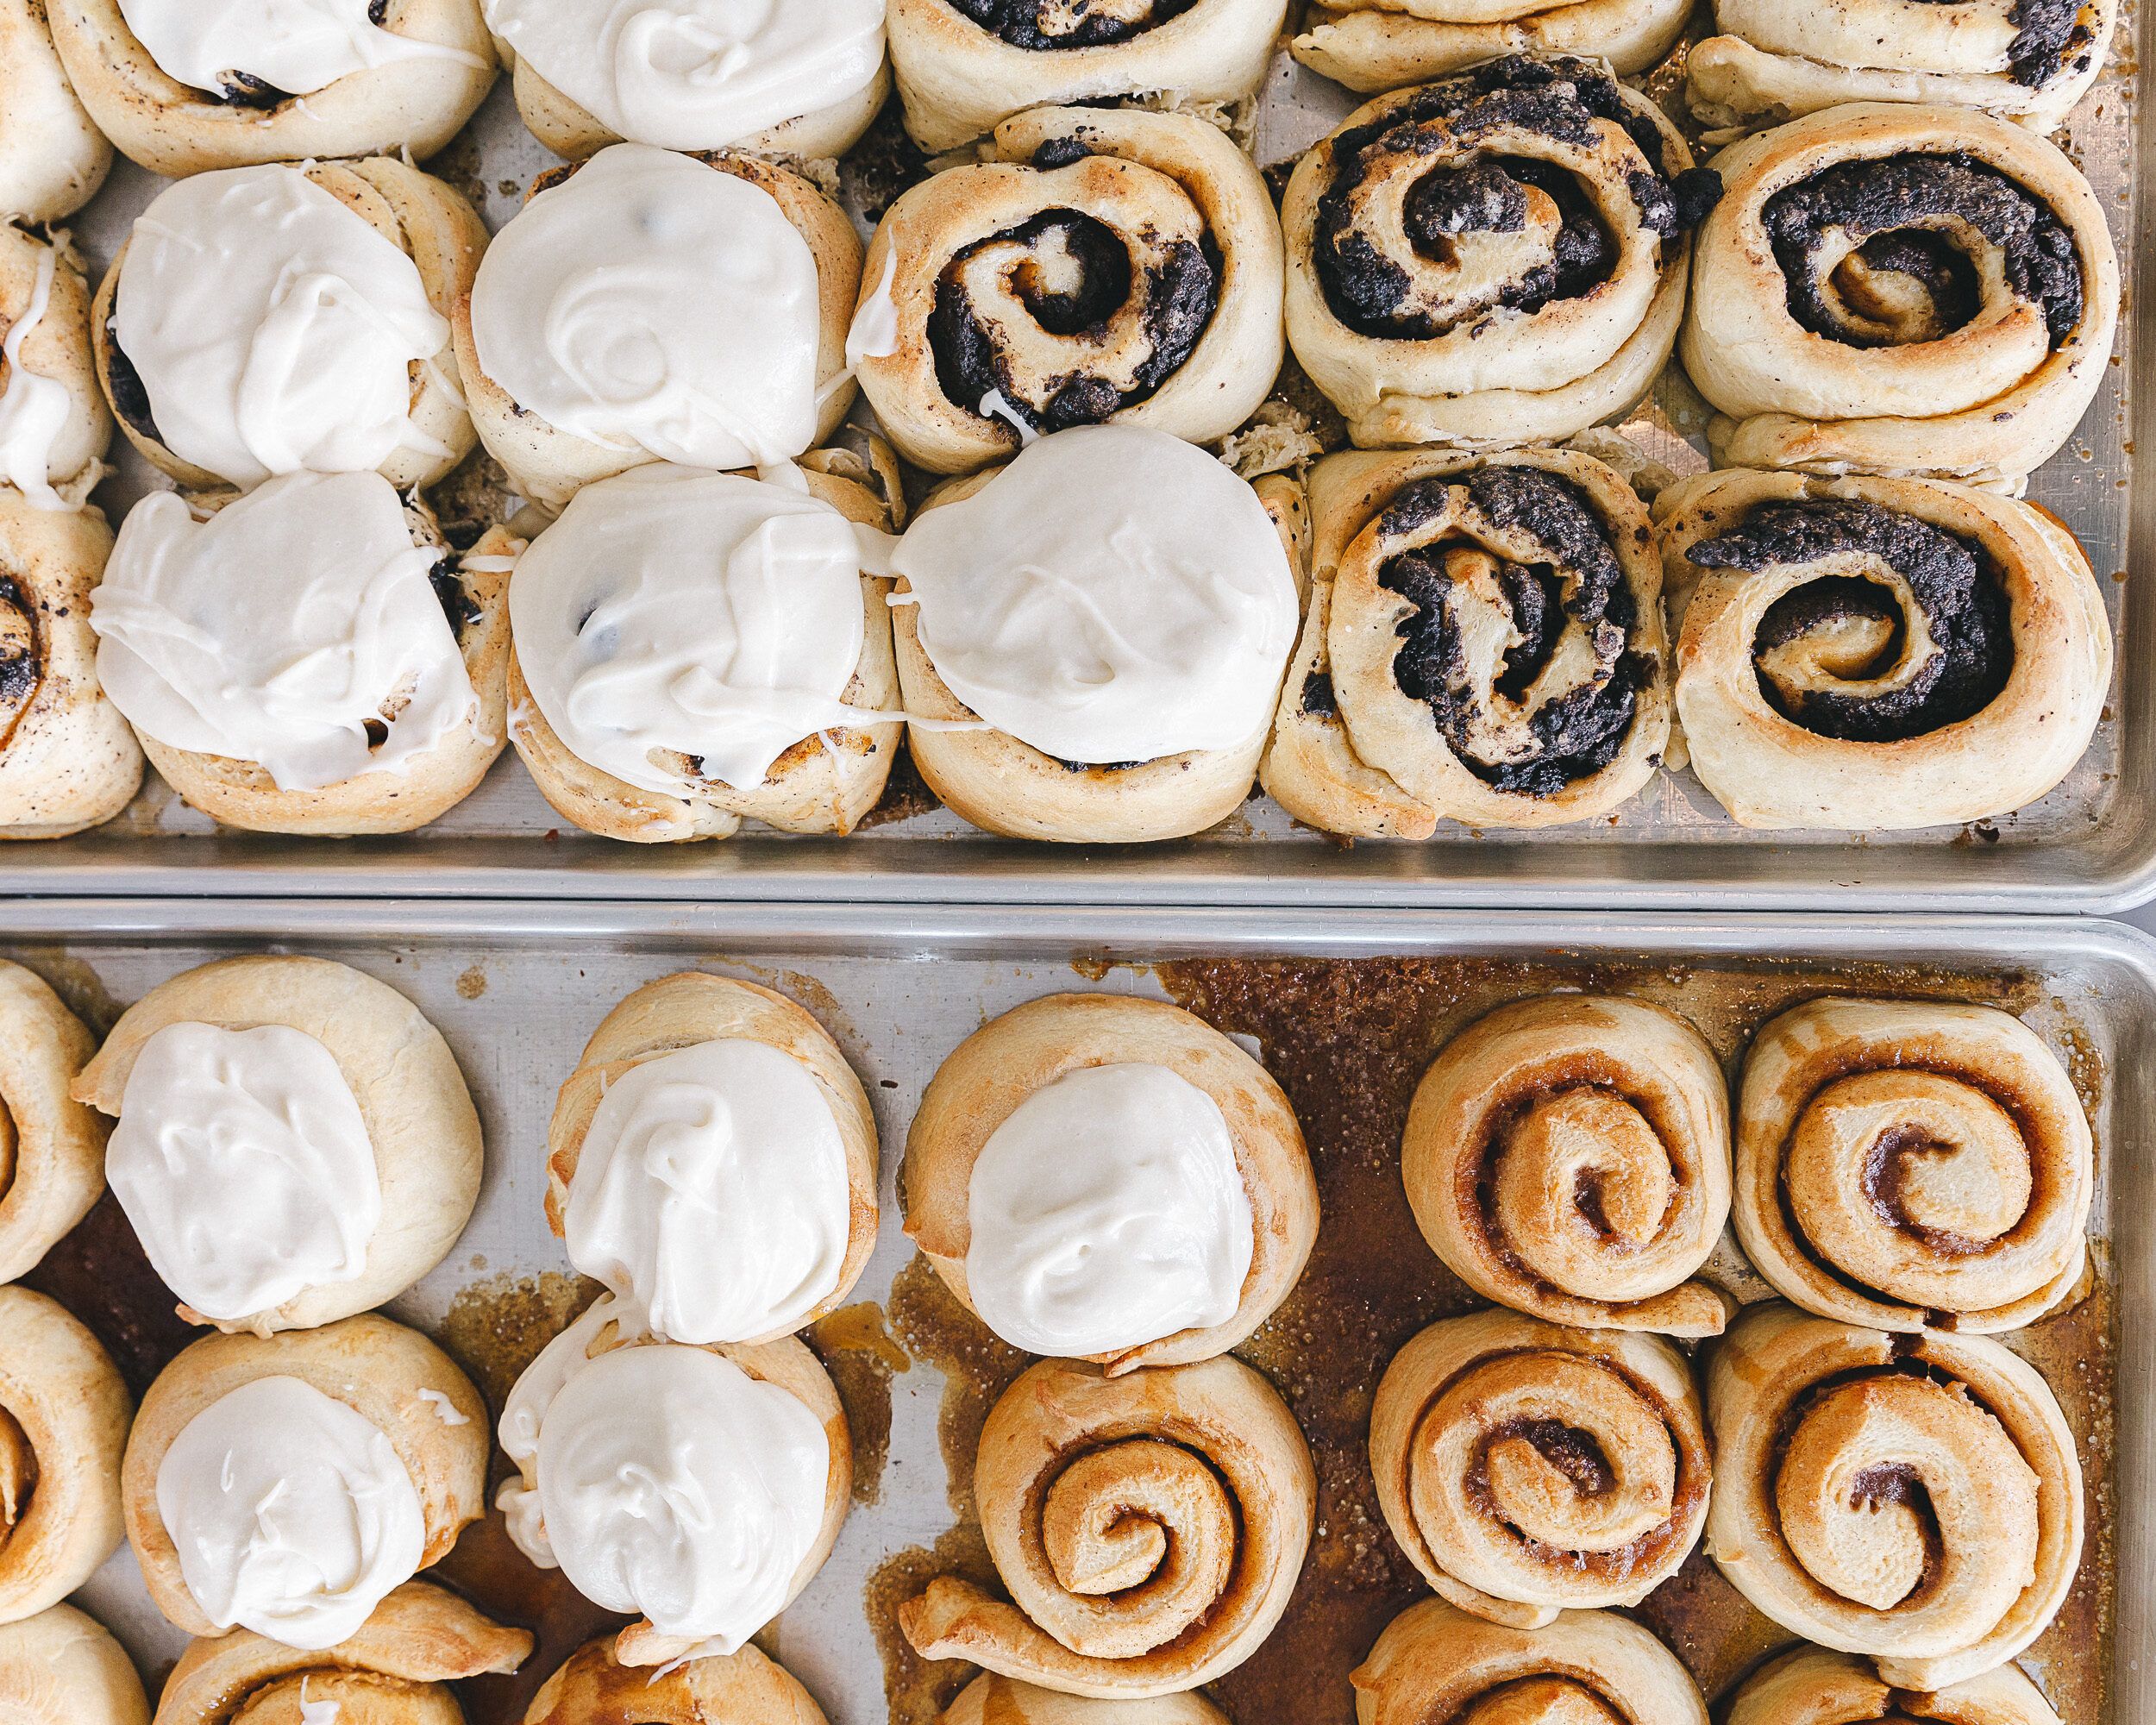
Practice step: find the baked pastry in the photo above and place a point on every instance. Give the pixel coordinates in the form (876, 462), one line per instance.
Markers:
(1110, 1179)
(703, 1487)
(64, 1416)
(54, 426)
(285, 1484)
(51, 1148)
(1149, 1529)
(963, 65)
(1484, 643)
(1090, 639)
(295, 1142)
(183, 87)
(594, 1685)
(1435, 1662)
(268, 319)
(992, 1700)
(394, 1670)
(712, 1160)
(53, 159)
(647, 306)
(61, 1667)
(1868, 652)
(694, 649)
(311, 658)
(1374, 44)
(799, 81)
(1886, 288)
(1497, 258)
(1811, 1687)
(1916, 1498)
(1912, 1164)
(1098, 264)
(1568, 1157)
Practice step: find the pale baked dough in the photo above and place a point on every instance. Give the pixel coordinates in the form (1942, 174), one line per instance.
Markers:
(593, 1685)
(992, 1700)
(1811, 1686)
(51, 1148)
(53, 159)
(61, 1667)
(1374, 44)
(59, 347)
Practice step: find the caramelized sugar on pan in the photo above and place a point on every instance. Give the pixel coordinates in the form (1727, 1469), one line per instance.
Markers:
(860, 1353)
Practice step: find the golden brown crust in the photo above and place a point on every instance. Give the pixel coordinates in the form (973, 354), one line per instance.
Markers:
(992, 1700)
(594, 1688)
(51, 1147)
(1375, 45)
(61, 1667)
(1813, 1686)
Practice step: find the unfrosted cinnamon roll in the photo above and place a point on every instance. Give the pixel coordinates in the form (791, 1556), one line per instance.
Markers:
(51, 1148)
(1892, 288)
(1813, 1686)
(53, 159)
(1914, 1497)
(54, 426)
(1374, 44)
(61, 1667)
(649, 306)
(1484, 643)
(992, 1700)
(963, 65)
(1149, 1529)
(269, 319)
(1111, 1179)
(594, 1686)
(1100, 265)
(295, 1142)
(183, 86)
(1497, 258)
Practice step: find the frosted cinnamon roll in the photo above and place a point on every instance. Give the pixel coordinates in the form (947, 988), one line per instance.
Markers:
(1484, 643)
(702, 1487)
(1375, 45)
(647, 306)
(992, 1700)
(54, 425)
(268, 320)
(1911, 1165)
(801, 81)
(1090, 639)
(51, 1148)
(64, 1416)
(1100, 265)
(53, 159)
(1497, 258)
(1110, 1179)
(295, 1142)
(594, 1685)
(311, 658)
(963, 65)
(1811, 1687)
(61, 1667)
(694, 649)
(1568, 1157)
(1869, 652)
(1149, 1527)
(1434, 1662)
(1892, 288)
(184, 86)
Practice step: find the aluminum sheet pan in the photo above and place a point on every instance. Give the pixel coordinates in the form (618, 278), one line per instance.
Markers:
(515, 989)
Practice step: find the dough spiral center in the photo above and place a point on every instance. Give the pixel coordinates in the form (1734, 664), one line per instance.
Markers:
(1050, 24)
(1582, 1185)
(1146, 1528)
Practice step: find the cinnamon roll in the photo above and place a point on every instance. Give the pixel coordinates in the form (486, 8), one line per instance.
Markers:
(1149, 1527)
(53, 159)
(694, 649)
(594, 1685)
(963, 65)
(1484, 643)
(1434, 1662)
(266, 320)
(649, 306)
(54, 426)
(1869, 652)
(1911, 1165)
(1811, 1687)
(61, 1667)
(1090, 639)
(1912, 1497)
(1886, 288)
(992, 1700)
(64, 1416)
(802, 81)
(183, 86)
(51, 1148)
(1375, 45)
(1100, 265)
(1568, 1157)
(295, 1142)
(1110, 1179)
(1497, 258)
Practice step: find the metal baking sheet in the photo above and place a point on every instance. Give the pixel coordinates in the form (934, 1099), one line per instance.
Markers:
(517, 987)
(2090, 844)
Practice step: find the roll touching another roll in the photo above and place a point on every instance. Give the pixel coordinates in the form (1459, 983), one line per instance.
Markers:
(1872, 652)
(1484, 643)
(1811, 1687)
(53, 159)
(1889, 288)
(1110, 1179)
(595, 1685)
(1374, 44)
(61, 1667)
(51, 1148)
(54, 427)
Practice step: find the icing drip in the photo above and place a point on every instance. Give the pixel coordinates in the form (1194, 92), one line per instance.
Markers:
(34, 408)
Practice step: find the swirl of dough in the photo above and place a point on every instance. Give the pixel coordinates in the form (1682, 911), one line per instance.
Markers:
(1568, 1157)
(593, 1685)
(51, 1148)
(1914, 1498)
(1150, 1528)
(1378, 45)
(53, 159)
(61, 1667)
(1814, 1686)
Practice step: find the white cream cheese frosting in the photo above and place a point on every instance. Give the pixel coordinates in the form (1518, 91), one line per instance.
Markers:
(291, 1513)
(650, 301)
(691, 613)
(1114, 594)
(272, 328)
(242, 1161)
(1107, 1211)
(34, 408)
(295, 46)
(696, 74)
(279, 630)
(711, 1193)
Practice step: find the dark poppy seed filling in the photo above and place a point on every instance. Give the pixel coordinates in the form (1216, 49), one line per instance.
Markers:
(1846, 629)
(458, 605)
(1049, 24)
(2048, 34)
(1910, 217)
(18, 653)
(131, 396)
